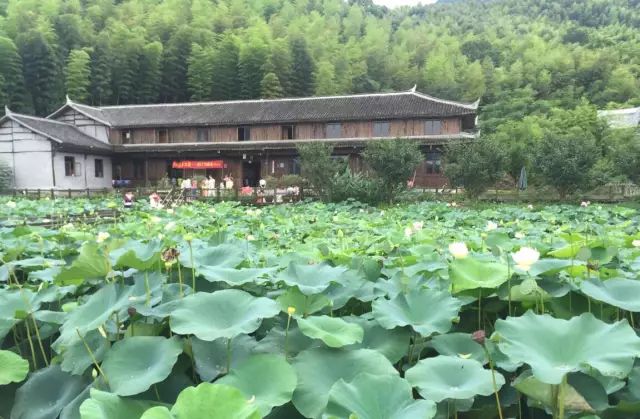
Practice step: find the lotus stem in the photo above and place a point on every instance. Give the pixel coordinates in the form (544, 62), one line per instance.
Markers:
(509, 282)
(35, 326)
(33, 352)
(155, 389)
(228, 355)
(93, 358)
(147, 289)
(561, 397)
(286, 337)
(193, 267)
(480, 309)
(180, 280)
(493, 379)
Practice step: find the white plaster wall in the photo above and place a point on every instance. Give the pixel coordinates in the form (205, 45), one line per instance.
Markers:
(85, 178)
(28, 154)
(85, 124)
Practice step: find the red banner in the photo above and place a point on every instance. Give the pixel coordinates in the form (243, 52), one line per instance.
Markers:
(198, 164)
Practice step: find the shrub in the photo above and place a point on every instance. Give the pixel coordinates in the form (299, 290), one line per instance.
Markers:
(349, 185)
(392, 162)
(474, 166)
(318, 167)
(6, 176)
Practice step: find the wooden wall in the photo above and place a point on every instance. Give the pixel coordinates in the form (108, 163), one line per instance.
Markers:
(273, 132)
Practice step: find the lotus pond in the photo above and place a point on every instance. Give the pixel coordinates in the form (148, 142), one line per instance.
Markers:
(319, 311)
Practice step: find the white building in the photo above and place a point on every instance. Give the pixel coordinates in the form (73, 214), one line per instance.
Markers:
(622, 118)
(50, 154)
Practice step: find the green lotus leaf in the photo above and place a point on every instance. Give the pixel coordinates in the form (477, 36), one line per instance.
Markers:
(620, 293)
(223, 255)
(304, 304)
(103, 405)
(233, 276)
(75, 357)
(13, 368)
(268, 378)
(547, 265)
(448, 378)
(158, 412)
(310, 279)
(376, 397)
(471, 273)
(458, 345)
(214, 401)
(391, 343)
(134, 364)
(543, 395)
(90, 263)
(211, 357)
(333, 331)
(137, 255)
(221, 314)
(555, 347)
(426, 311)
(318, 369)
(46, 393)
(12, 302)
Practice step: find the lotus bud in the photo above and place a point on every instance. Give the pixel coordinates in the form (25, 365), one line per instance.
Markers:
(188, 237)
(291, 310)
(636, 243)
(102, 236)
(479, 336)
(94, 373)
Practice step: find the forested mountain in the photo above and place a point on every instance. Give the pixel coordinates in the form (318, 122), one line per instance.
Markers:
(521, 56)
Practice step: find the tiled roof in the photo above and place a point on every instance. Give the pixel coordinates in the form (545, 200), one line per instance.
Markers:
(378, 106)
(67, 135)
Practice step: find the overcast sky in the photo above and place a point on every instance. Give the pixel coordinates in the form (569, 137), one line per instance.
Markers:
(394, 3)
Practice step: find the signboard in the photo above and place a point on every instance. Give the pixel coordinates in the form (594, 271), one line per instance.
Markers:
(198, 164)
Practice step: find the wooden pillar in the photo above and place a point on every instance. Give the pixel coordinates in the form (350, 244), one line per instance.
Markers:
(146, 171)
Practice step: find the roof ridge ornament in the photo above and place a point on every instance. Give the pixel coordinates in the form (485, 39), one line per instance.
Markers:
(7, 111)
(69, 101)
(413, 89)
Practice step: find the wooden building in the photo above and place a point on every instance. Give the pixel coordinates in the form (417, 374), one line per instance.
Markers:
(252, 139)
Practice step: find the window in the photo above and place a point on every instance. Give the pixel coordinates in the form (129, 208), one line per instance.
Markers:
(244, 133)
(334, 130)
(202, 135)
(380, 129)
(99, 168)
(163, 136)
(69, 166)
(138, 169)
(433, 162)
(287, 132)
(433, 127)
(125, 137)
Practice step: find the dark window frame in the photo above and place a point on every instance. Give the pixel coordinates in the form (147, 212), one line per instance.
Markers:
(288, 132)
(98, 168)
(376, 130)
(433, 127)
(126, 136)
(69, 166)
(333, 130)
(202, 135)
(244, 133)
(166, 135)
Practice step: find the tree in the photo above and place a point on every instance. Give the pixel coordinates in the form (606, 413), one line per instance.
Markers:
(474, 166)
(625, 153)
(11, 71)
(325, 79)
(100, 74)
(150, 73)
(318, 167)
(392, 162)
(175, 67)
(302, 69)
(200, 73)
(253, 55)
(270, 87)
(42, 74)
(226, 81)
(78, 75)
(564, 159)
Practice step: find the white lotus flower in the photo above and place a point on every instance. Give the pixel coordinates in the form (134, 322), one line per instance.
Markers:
(102, 236)
(250, 237)
(417, 225)
(525, 257)
(67, 227)
(530, 206)
(453, 204)
(636, 243)
(169, 210)
(519, 235)
(491, 226)
(170, 226)
(459, 250)
(381, 213)
(585, 204)
(408, 232)
(11, 204)
(212, 210)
